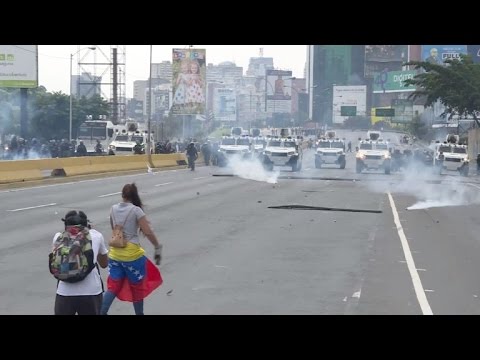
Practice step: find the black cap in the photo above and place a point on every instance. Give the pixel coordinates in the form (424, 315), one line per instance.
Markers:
(76, 218)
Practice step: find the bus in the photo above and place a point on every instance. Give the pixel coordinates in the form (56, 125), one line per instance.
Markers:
(92, 130)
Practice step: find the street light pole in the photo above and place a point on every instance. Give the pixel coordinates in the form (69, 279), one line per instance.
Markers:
(71, 110)
(71, 95)
(149, 153)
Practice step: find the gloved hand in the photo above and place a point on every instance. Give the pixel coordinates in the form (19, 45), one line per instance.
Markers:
(158, 254)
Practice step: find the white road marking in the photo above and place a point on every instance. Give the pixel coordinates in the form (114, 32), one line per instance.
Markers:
(198, 178)
(32, 207)
(421, 269)
(115, 193)
(164, 184)
(417, 283)
(429, 290)
(221, 266)
(83, 181)
(345, 299)
(357, 294)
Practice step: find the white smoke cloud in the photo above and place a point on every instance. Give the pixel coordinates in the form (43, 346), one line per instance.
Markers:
(430, 189)
(251, 169)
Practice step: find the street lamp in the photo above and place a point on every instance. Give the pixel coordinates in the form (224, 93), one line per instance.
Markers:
(71, 111)
(149, 146)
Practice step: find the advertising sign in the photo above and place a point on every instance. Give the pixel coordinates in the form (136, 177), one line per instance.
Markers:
(189, 81)
(19, 66)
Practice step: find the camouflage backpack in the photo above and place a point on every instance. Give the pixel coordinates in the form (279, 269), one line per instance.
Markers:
(72, 257)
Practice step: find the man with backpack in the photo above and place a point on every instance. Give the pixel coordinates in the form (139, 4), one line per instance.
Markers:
(76, 252)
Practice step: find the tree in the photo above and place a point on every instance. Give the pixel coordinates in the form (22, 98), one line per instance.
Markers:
(7, 105)
(417, 127)
(50, 113)
(456, 85)
(50, 116)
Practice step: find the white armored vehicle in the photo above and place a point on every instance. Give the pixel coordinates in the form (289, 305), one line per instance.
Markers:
(124, 142)
(232, 146)
(330, 151)
(451, 157)
(373, 155)
(282, 152)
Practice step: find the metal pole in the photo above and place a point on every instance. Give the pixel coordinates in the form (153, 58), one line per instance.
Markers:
(250, 115)
(149, 153)
(183, 127)
(70, 131)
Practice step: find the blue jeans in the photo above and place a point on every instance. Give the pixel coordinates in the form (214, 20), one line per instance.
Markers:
(108, 298)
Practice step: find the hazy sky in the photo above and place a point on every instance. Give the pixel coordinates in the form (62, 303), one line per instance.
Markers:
(54, 64)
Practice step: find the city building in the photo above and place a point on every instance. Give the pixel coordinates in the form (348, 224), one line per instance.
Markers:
(86, 85)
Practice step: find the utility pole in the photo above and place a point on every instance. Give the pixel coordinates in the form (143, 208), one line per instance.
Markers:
(149, 145)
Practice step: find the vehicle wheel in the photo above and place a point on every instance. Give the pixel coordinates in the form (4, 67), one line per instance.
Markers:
(387, 170)
(318, 164)
(464, 171)
(343, 164)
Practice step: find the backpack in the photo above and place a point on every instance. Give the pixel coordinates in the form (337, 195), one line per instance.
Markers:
(72, 257)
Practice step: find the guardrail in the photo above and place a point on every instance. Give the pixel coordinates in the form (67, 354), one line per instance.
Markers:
(25, 170)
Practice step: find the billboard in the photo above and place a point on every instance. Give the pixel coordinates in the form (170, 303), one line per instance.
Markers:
(380, 58)
(278, 88)
(19, 66)
(437, 54)
(189, 81)
(225, 104)
(474, 52)
(392, 81)
(347, 97)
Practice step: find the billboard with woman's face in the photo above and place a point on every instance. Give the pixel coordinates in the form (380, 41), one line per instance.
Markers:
(189, 81)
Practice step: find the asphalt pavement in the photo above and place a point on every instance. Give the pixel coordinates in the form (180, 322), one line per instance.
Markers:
(227, 252)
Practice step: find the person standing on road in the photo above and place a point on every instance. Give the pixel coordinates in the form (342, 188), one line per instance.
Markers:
(81, 149)
(83, 297)
(132, 277)
(192, 155)
(207, 151)
(478, 164)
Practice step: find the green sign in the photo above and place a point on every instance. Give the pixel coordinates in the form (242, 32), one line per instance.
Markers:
(392, 81)
(385, 112)
(348, 111)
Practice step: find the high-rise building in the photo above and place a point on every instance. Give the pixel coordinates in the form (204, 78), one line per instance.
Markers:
(139, 87)
(226, 72)
(86, 85)
(259, 65)
(162, 70)
(329, 65)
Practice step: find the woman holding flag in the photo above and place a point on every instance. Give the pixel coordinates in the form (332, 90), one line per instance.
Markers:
(132, 276)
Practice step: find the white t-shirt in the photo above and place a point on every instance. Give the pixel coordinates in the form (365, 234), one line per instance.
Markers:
(92, 284)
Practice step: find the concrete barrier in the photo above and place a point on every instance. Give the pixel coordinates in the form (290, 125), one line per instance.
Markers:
(24, 170)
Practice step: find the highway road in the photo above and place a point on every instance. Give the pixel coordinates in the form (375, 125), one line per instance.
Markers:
(227, 252)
